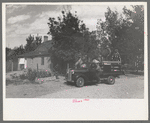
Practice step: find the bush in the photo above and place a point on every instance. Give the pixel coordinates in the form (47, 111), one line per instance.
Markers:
(31, 74)
(23, 76)
(9, 82)
(42, 74)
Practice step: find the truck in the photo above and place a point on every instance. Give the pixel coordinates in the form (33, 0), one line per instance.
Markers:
(80, 76)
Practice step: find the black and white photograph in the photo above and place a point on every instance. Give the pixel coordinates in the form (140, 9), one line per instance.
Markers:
(79, 52)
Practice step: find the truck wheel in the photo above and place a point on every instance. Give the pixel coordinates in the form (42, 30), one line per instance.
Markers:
(80, 82)
(111, 80)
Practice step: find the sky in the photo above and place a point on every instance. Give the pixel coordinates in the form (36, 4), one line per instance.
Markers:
(24, 19)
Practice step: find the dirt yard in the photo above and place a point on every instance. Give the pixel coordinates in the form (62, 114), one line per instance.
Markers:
(129, 86)
(17, 88)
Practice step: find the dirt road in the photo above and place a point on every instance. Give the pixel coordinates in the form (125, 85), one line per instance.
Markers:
(126, 87)
(129, 86)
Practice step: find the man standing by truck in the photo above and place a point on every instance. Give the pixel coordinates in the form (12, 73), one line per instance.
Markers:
(97, 68)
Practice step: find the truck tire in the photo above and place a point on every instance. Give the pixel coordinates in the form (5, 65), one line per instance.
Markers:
(111, 80)
(80, 82)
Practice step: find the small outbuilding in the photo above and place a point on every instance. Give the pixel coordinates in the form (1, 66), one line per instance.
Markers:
(37, 59)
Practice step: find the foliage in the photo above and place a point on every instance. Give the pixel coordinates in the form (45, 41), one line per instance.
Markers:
(132, 36)
(29, 40)
(38, 40)
(42, 74)
(69, 38)
(110, 28)
(7, 52)
(136, 29)
(89, 46)
(23, 76)
(12, 53)
(31, 43)
(64, 32)
(19, 50)
(125, 33)
(32, 74)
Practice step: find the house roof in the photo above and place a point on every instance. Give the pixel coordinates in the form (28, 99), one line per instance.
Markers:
(41, 50)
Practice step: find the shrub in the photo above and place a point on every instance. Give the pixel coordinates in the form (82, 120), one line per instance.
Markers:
(9, 82)
(31, 74)
(23, 76)
(42, 74)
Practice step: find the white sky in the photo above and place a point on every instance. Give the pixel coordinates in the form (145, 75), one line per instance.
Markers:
(23, 20)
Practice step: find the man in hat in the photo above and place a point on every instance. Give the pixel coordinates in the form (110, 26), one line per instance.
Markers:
(82, 62)
(116, 56)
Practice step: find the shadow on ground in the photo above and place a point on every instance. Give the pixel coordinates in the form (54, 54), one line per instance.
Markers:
(137, 73)
(86, 84)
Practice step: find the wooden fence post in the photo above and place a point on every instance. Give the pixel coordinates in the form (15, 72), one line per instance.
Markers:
(12, 65)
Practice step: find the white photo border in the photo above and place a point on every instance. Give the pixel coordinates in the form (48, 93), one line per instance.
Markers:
(63, 109)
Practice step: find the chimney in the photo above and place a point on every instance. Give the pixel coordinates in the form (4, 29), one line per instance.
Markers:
(45, 38)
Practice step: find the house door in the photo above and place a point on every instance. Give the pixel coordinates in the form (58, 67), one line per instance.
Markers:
(21, 66)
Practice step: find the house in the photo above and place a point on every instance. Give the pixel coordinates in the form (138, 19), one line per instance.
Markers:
(12, 62)
(39, 58)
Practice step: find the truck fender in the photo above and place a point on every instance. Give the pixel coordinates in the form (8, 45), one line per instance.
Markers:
(81, 75)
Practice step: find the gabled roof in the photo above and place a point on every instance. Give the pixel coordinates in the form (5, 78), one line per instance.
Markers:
(41, 50)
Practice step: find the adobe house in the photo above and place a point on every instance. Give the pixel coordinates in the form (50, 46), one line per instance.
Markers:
(12, 62)
(39, 58)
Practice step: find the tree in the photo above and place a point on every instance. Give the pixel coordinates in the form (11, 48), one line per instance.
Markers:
(125, 33)
(31, 43)
(13, 53)
(135, 33)
(29, 40)
(38, 40)
(7, 53)
(89, 45)
(107, 33)
(19, 50)
(67, 34)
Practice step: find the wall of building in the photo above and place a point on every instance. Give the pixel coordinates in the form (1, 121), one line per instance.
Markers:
(12, 65)
(33, 63)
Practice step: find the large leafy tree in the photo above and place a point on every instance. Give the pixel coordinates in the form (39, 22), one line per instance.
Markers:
(107, 33)
(136, 35)
(68, 34)
(126, 33)
(135, 31)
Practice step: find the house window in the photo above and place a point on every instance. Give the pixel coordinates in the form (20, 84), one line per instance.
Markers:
(42, 60)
